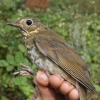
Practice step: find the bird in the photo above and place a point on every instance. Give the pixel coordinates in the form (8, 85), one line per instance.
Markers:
(52, 54)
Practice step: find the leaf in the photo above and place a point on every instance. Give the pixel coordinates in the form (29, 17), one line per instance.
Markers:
(97, 87)
(4, 98)
(26, 61)
(20, 81)
(3, 63)
(16, 81)
(9, 68)
(19, 57)
(23, 81)
(10, 58)
(21, 47)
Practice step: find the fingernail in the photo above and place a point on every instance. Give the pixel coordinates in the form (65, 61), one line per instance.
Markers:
(68, 83)
(42, 76)
(59, 77)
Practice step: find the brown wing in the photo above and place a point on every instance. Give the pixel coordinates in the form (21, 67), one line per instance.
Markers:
(63, 55)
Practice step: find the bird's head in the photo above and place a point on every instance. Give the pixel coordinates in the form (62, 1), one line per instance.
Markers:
(27, 26)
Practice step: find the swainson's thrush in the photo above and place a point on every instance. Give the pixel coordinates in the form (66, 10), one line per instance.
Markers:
(53, 54)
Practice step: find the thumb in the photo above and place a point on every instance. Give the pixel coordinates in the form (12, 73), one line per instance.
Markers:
(42, 82)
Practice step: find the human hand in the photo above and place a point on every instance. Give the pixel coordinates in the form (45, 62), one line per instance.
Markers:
(55, 88)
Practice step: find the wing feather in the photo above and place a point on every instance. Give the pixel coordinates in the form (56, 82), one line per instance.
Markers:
(65, 57)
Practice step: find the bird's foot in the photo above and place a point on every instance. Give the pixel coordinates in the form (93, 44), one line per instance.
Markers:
(26, 70)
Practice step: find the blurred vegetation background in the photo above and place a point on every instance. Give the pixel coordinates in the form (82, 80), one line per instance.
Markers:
(77, 21)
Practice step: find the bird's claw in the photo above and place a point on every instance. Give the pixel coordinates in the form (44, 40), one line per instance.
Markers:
(26, 70)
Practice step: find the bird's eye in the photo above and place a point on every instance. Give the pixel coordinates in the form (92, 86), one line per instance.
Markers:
(29, 22)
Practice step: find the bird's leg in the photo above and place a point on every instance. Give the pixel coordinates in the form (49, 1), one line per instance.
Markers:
(26, 70)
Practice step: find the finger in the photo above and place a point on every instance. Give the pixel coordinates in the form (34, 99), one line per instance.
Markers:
(55, 81)
(74, 94)
(65, 88)
(47, 93)
(42, 78)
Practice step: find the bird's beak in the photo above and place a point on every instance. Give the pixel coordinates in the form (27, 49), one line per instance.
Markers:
(14, 24)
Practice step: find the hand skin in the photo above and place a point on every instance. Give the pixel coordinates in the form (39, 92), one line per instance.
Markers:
(55, 87)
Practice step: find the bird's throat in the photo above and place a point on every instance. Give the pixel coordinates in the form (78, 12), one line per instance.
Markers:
(29, 38)
(29, 41)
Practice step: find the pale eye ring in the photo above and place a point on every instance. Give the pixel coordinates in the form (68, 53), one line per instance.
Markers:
(29, 22)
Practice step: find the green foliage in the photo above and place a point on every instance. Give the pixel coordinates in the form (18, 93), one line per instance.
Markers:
(80, 30)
